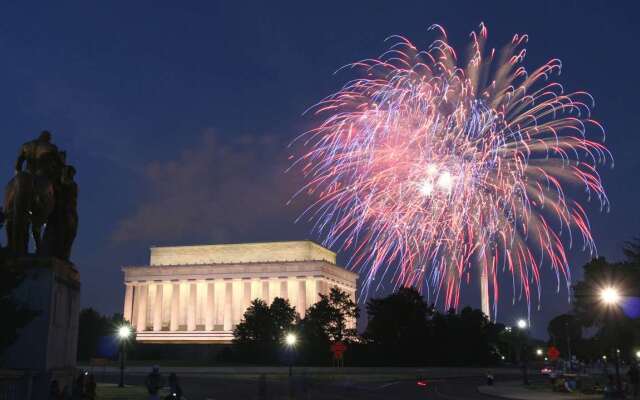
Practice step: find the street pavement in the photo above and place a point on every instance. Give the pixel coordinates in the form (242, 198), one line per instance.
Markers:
(338, 387)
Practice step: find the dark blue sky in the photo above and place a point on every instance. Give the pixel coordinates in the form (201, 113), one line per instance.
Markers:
(177, 116)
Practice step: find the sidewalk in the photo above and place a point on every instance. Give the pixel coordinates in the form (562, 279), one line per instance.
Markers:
(515, 390)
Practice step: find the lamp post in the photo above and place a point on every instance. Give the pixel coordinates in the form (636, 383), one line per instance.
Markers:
(290, 340)
(610, 297)
(124, 332)
(524, 327)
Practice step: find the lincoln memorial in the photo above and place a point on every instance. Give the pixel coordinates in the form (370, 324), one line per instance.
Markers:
(197, 294)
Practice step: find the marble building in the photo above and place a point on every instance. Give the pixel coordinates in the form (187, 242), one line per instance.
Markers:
(197, 294)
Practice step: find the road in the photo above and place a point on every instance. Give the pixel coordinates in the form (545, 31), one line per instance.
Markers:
(307, 388)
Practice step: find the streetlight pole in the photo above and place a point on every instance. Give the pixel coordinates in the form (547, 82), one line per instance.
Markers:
(610, 297)
(566, 327)
(290, 341)
(524, 326)
(123, 335)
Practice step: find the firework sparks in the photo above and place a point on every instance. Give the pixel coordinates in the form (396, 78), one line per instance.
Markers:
(425, 170)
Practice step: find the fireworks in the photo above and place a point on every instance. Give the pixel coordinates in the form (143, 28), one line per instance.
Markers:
(427, 171)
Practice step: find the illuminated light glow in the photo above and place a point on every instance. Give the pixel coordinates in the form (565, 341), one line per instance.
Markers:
(610, 296)
(124, 332)
(291, 339)
(431, 167)
(522, 324)
(445, 181)
(426, 188)
(539, 352)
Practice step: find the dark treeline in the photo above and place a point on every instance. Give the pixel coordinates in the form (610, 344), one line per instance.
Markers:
(402, 329)
(593, 329)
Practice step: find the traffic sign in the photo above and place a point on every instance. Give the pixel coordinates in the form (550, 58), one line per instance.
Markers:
(553, 353)
(338, 349)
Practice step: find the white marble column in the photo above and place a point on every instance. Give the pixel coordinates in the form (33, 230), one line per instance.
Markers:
(237, 301)
(175, 306)
(266, 293)
(227, 312)
(157, 308)
(274, 289)
(142, 307)
(128, 303)
(210, 311)
(292, 294)
(256, 289)
(246, 295)
(311, 291)
(191, 309)
(219, 303)
(284, 293)
(302, 297)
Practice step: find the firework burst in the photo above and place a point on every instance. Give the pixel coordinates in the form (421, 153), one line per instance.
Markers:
(426, 170)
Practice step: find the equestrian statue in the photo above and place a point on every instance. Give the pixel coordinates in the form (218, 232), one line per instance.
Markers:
(41, 195)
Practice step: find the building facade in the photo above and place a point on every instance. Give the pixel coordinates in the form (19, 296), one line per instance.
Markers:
(197, 294)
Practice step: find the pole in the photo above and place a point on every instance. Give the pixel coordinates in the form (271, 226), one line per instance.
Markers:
(566, 326)
(525, 357)
(121, 364)
(290, 361)
(618, 381)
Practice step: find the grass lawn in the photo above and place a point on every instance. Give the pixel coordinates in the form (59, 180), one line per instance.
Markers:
(111, 391)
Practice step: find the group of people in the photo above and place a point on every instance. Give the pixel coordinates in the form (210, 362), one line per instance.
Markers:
(155, 382)
(83, 388)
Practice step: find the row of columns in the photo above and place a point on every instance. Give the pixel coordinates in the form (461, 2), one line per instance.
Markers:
(211, 304)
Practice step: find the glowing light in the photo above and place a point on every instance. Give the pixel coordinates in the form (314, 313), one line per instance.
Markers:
(445, 181)
(432, 170)
(638, 354)
(124, 332)
(610, 296)
(426, 188)
(291, 339)
(522, 324)
(456, 165)
(539, 352)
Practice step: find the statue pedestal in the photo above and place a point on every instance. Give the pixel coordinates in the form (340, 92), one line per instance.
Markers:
(46, 348)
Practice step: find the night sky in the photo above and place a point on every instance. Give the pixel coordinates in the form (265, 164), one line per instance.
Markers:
(177, 117)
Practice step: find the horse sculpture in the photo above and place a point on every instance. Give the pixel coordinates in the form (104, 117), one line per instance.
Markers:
(28, 203)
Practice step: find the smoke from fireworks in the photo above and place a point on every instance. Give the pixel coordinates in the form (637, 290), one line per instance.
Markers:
(427, 171)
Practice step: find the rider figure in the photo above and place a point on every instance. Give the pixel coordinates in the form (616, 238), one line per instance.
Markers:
(42, 157)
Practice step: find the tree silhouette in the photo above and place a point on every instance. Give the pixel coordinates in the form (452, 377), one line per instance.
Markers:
(258, 337)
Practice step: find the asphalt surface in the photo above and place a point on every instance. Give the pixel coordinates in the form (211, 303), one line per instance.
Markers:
(308, 388)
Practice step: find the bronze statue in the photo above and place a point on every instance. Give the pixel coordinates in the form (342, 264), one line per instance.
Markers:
(43, 193)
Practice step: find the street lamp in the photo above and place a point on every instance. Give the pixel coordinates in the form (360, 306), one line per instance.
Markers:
(610, 296)
(638, 354)
(124, 333)
(290, 340)
(523, 326)
(539, 352)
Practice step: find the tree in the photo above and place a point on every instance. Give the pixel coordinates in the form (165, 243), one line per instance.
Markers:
(258, 337)
(565, 332)
(331, 316)
(465, 338)
(598, 274)
(326, 322)
(397, 326)
(618, 325)
(92, 326)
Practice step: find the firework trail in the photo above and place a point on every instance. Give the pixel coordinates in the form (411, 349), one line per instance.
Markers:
(425, 170)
